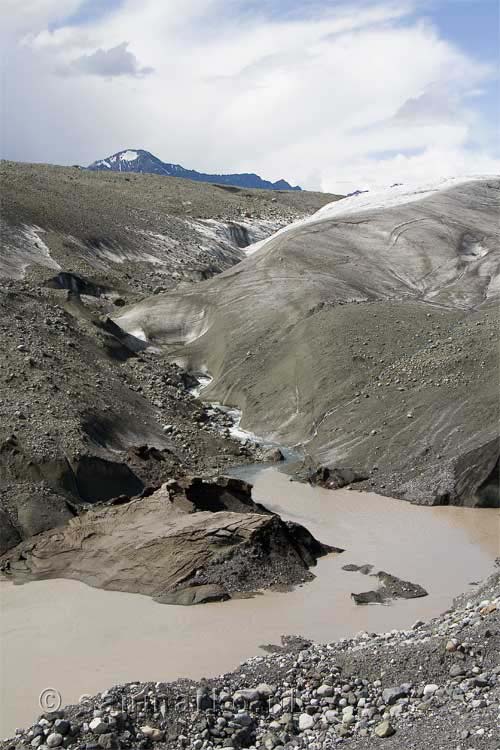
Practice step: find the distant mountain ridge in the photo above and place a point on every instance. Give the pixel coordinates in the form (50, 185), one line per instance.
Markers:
(140, 161)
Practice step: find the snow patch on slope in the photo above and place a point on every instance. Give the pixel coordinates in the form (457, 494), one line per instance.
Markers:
(22, 247)
(129, 156)
(225, 233)
(397, 195)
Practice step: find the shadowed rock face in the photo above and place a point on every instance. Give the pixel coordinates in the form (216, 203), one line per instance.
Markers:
(369, 338)
(74, 283)
(169, 547)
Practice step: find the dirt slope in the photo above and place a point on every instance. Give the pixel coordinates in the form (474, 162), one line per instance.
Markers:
(367, 336)
(132, 233)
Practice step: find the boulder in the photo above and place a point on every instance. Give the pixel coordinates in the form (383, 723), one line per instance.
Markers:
(273, 455)
(166, 547)
(334, 477)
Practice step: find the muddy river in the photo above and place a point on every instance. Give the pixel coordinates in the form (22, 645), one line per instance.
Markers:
(75, 640)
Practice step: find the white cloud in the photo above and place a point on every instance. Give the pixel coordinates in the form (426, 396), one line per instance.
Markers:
(431, 164)
(18, 16)
(107, 63)
(342, 98)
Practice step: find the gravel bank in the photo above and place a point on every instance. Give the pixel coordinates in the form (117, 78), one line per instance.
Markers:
(436, 685)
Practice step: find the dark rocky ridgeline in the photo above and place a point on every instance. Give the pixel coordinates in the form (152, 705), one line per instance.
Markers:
(141, 161)
(189, 542)
(434, 686)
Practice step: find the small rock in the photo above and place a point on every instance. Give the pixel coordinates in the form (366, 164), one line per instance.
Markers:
(384, 729)
(246, 695)
(54, 740)
(325, 691)
(152, 733)
(430, 689)
(348, 715)
(396, 710)
(62, 726)
(98, 726)
(393, 694)
(457, 670)
(488, 609)
(305, 722)
(265, 690)
(243, 719)
(108, 741)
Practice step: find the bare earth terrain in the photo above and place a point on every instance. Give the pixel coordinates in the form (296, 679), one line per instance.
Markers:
(86, 413)
(367, 336)
(141, 318)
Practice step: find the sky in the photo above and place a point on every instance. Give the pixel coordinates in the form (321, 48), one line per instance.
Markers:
(328, 94)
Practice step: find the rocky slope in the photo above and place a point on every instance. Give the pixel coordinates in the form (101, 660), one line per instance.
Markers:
(189, 542)
(85, 413)
(84, 418)
(132, 234)
(140, 161)
(367, 335)
(435, 686)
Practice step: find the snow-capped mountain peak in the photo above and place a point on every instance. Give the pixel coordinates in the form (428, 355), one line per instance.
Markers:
(141, 161)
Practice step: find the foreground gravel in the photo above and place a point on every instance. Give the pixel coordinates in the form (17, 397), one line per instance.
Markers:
(434, 686)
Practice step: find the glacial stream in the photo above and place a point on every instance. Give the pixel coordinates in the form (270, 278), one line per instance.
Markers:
(75, 640)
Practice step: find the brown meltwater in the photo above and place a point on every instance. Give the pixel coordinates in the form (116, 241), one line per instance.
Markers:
(67, 636)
